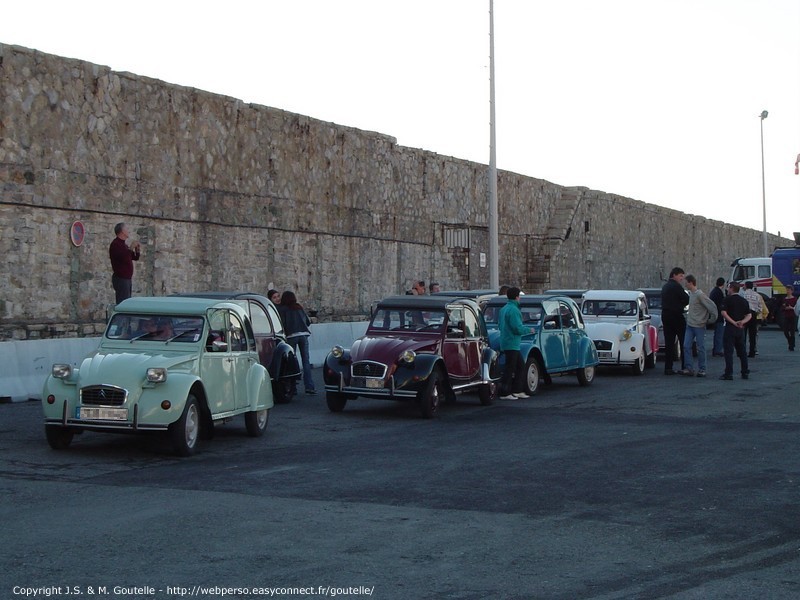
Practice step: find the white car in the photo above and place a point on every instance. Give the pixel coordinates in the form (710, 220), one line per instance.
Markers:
(618, 322)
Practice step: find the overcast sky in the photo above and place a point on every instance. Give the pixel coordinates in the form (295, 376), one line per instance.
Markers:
(657, 100)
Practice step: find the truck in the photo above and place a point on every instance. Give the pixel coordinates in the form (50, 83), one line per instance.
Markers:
(771, 275)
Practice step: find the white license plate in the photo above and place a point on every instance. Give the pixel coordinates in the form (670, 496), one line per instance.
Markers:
(374, 383)
(91, 413)
(604, 355)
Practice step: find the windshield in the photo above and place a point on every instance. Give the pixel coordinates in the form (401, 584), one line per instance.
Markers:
(400, 319)
(164, 328)
(609, 308)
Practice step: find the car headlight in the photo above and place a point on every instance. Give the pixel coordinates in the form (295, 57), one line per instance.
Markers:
(61, 371)
(625, 335)
(408, 356)
(337, 352)
(157, 375)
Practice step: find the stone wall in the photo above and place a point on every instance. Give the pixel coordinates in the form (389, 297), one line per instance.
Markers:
(228, 195)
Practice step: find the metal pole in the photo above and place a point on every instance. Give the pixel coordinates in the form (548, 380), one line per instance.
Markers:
(763, 182)
(494, 258)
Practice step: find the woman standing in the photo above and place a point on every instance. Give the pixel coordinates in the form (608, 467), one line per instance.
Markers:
(296, 325)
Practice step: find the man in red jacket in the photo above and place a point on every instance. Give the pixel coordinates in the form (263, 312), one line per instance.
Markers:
(122, 257)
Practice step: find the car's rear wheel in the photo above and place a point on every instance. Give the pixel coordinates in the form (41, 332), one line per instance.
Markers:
(650, 361)
(282, 391)
(185, 432)
(638, 366)
(585, 375)
(256, 422)
(336, 401)
(429, 397)
(488, 393)
(532, 375)
(58, 437)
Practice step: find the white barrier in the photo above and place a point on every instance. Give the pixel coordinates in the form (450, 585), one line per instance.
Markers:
(24, 365)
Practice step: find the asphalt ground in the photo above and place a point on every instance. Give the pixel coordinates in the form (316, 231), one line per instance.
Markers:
(635, 487)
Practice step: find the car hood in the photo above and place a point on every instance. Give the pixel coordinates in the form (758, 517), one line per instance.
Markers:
(607, 330)
(127, 369)
(386, 348)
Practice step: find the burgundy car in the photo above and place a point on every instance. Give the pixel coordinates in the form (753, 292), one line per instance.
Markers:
(418, 348)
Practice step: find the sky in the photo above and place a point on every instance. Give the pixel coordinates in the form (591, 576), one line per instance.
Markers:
(655, 100)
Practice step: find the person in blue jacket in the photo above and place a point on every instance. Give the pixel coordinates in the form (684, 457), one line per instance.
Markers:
(511, 328)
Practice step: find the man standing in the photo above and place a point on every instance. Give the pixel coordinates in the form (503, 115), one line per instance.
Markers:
(717, 295)
(509, 321)
(122, 258)
(752, 298)
(701, 310)
(673, 301)
(789, 316)
(736, 312)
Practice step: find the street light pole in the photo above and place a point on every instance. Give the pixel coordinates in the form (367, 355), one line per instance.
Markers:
(763, 182)
(494, 246)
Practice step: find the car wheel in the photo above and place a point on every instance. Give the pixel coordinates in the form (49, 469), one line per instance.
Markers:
(58, 437)
(585, 375)
(532, 375)
(336, 401)
(487, 393)
(650, 361)
(282, 391)
(185, 432)
(256, 422)
(638, 366)
(430, 396)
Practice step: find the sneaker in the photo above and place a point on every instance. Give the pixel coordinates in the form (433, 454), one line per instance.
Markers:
(311, 392)
(669, 372)
(508, 397)
(521, 395)
(701, 373)
(726, 377)
(687, 372)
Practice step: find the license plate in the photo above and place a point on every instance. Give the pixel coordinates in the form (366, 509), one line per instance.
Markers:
(604, 355)
(366, 382)
(91, 413)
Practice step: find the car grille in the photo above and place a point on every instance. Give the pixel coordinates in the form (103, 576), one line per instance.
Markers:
(602, 344)
(368, 369)
(105, 395)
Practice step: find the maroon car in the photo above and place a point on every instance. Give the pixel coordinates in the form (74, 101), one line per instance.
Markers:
(418, 348)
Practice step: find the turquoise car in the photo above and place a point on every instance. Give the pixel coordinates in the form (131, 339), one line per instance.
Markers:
(558, 343)
(173, 365)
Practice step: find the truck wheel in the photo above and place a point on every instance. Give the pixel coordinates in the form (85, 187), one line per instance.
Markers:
(429, 397)
(256, 422)
(532, 375)
(336, 401)
(58, 437)
(585, 375)
(186, 431)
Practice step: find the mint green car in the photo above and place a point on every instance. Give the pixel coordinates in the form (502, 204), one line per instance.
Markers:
(174, 365)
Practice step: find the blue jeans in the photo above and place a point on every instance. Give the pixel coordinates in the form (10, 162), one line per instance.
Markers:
(719, 329)
(694, 334)
(302, 341)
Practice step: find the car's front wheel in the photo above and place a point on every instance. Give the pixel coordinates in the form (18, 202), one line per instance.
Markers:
(336, 401)
(487, 393)
(185, 432)
(429, 397)
(532, 375)
(638, 366)
(585, 375)
(256, 422)
(58, 437)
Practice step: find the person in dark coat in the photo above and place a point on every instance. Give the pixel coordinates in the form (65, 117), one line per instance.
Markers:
(673, 300)
(736, 312)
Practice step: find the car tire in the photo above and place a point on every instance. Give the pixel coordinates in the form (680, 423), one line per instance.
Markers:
(336, 401)
(533, 373)
(256, 422)
(185, 432)
(282, 391)
(487, 393)
(58, 437)
(430, 396)
(650, 361)
(638, 366)
(585, 375)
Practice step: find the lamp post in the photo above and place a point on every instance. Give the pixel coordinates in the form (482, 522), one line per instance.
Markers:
(763, 182)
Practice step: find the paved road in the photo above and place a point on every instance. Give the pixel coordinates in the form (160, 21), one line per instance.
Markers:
(636, 487)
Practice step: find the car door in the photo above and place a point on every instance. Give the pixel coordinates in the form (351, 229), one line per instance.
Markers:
(573, 334)
(242, 357)
(217, 364)
(455, 349)
(553, 336)
(263, 332)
